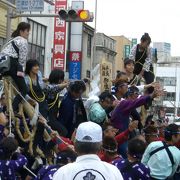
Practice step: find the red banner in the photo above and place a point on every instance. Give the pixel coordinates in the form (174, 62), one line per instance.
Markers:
(59, 50)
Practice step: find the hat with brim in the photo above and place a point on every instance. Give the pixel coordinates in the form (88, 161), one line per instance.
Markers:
(89, 132)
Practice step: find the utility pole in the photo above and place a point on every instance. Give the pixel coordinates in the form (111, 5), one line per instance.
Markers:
(94, 44)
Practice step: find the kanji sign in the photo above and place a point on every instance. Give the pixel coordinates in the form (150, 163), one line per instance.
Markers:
(30, 5)
(75, 70)
(75, 65)
(106, 76)
(75, 56)
(59, 63)
(59, 35)
(59, 49)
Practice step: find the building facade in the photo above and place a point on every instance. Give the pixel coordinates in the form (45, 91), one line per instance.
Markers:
(175, 59)
(41, 38)
(105, 50)
(4, 5)
(163, 51)
(169, 75)
(41, 35)
(87, 50)
(123, 45)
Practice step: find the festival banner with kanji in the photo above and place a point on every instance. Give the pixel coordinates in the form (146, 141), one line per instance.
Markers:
(106, 75)
(75, 65)
(59, 50)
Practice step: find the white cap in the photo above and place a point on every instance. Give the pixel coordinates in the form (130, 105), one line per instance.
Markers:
(89, 132)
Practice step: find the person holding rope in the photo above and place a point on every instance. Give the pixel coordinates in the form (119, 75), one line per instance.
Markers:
(52, 92)
(141, 54)
(35, 86)
(17, 51)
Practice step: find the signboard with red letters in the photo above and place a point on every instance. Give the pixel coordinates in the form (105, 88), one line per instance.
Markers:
(59, 50)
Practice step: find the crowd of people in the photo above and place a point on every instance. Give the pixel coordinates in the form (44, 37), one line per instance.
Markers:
(109, 140)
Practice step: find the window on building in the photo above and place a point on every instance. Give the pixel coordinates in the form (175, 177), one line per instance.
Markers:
(178, 112)
(111, 46)
(37, 39)
(43, 36)
(12, 1)
(170, 110)
(39, 35)
(2, 42)
(34, 32)
(88, 74)
(30, 39)
(159, 79)
(167, 81)
(104, 43)
(170, 96)
(170, 81)
(89, 45)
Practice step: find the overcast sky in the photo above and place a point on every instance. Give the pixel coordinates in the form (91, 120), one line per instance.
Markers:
(160, 18)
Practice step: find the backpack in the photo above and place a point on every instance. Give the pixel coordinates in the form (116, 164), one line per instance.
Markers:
(5, 60)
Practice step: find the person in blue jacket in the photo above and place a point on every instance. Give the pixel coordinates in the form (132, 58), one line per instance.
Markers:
(72, 111)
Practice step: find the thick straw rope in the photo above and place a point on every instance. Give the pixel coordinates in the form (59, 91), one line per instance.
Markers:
(29, 110)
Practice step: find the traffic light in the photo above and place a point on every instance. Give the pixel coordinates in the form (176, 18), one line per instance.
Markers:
(76, 15)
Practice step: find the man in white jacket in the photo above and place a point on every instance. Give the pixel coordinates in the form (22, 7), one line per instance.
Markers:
(88, 166)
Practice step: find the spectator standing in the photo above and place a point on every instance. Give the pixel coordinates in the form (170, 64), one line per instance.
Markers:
(88, 165)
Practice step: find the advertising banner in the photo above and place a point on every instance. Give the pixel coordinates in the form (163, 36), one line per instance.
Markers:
(59, 50)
